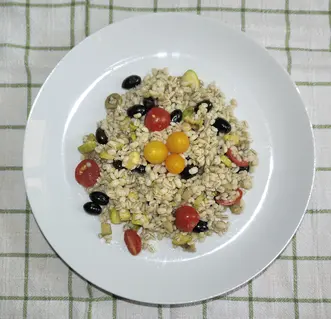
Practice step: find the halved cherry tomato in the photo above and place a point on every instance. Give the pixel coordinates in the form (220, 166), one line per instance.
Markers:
(230, 202)
(240, 163)
(157, 119)
(175, 164)
(132, 241)
(186, 218)
(87, 172)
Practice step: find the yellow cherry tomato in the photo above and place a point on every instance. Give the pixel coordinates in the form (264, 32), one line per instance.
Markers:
(178, 142)
(155, 152)
(175, 164)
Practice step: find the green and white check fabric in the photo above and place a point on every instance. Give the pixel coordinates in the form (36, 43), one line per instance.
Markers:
(35, 283)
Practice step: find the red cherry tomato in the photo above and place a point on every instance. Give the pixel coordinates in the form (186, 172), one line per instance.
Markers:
(132, 241)
(231, 202)
(186, 218)
(87, 173)
(235, 160)
(157, 119)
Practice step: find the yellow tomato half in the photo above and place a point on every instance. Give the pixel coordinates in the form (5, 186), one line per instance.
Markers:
(175, 164)
(155, 152)
(178, 142)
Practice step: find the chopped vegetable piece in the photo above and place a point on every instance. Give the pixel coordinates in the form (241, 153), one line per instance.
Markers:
(139, 219)
(133, 137)
(181, 239)
(87, 172)
(132, 127)
(134, 160)
(133, 195)
(91, 137)
(106, 229)
(198, 201)
(114, 216)
(125, 216)
(195, 124)
(232, 137)
(226, 161)
(87, 147)
(132, 241)
(234, 159)
(113, 100)
(105, 155)
(191, 78)
(168, 226)
(186, 218)
(157, 119)
(230, 202)
(188, 112)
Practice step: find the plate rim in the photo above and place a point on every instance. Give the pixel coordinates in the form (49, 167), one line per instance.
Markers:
(229, 29)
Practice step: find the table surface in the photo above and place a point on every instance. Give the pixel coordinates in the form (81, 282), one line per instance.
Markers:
(35, 35)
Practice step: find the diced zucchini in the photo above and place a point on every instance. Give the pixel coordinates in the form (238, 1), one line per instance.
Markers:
(87, 147)
(227, 162)
(191, 77)
(114, 216)
(105, 229)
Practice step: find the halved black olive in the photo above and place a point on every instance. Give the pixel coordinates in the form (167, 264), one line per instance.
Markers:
(176, 116)
(243, 168)
(150, 102)
(141, 169)
(136, 109)
(223, 126)
(201, 227)
(92, 208)
(185, 174)
(118, 164)
(99, 198)
(101, 136)
(131, 81)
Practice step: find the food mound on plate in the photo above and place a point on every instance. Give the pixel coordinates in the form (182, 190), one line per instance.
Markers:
(167, 161)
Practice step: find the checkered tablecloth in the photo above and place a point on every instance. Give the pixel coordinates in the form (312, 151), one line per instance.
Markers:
(35, 283)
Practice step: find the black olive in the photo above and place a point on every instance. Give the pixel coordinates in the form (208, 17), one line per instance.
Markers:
(118, 164)
(185, 174)
(150, 102)
(99, 198)
(223, 126)
(176, 116)
(131, 81)
(243, 168)
(92, 208)
(136, 109)
(101, 136)
(200, 227)
(209, 105)
(141, 169)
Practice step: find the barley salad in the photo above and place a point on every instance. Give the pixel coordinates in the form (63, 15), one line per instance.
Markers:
(167, 161)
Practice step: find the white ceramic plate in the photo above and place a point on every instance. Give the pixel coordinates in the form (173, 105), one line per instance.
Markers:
(71, 102)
